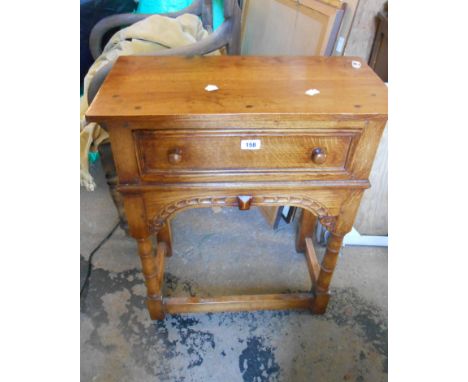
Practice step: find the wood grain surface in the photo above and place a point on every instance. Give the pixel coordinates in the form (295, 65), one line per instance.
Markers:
(223, 151)
(176, 305)
(139, 88)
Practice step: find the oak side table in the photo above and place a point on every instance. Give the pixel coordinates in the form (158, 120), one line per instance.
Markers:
(230, 131)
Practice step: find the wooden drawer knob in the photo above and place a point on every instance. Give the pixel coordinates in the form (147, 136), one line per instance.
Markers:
(174, 156)
(319, 155)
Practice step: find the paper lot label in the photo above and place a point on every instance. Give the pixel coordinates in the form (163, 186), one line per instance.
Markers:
(251, 144)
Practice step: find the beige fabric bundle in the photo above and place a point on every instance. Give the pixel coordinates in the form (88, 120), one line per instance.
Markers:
(147, 36)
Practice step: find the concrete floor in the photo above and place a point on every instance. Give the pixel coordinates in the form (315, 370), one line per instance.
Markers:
(217, 252)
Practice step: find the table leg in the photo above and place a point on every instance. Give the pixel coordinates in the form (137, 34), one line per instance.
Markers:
(344, 223)
(153, 271)
(152, 266)
(306, 228)
(321, 287)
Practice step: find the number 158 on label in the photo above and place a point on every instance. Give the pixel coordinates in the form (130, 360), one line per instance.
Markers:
(250, 144)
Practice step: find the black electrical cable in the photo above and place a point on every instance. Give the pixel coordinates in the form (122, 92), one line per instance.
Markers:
(90, 259)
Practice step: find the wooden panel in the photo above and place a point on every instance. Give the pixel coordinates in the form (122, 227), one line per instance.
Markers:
(268, 27)
(163, 202)
(311, 29)
(287, 27)
(202, 152)
(357, 166)
(372, 218)
(312, 262)
(176, 305)
(334, 3)
(139, 88)
(328, 8)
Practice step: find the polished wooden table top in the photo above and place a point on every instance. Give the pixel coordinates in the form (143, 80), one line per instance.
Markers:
(147, 87)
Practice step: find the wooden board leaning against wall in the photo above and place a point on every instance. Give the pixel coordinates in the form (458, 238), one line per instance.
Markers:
(289, 27)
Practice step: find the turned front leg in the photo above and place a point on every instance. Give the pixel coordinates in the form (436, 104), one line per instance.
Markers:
(153, 272)
(152, 266)
(321, 287)
(343, 225)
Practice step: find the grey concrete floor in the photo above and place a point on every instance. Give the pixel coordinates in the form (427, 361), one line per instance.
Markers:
(217, 252)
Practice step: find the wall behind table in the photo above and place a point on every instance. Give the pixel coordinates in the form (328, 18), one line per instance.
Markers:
(372, 218)
(363, 29)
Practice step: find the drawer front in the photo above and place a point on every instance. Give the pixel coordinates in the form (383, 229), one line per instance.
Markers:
(170, 153)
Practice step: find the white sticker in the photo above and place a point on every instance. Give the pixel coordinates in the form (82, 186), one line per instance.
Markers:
(250, 144)
(312, 92)
(211, 88)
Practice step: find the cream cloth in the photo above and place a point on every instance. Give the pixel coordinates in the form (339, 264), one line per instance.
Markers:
(147, 36)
